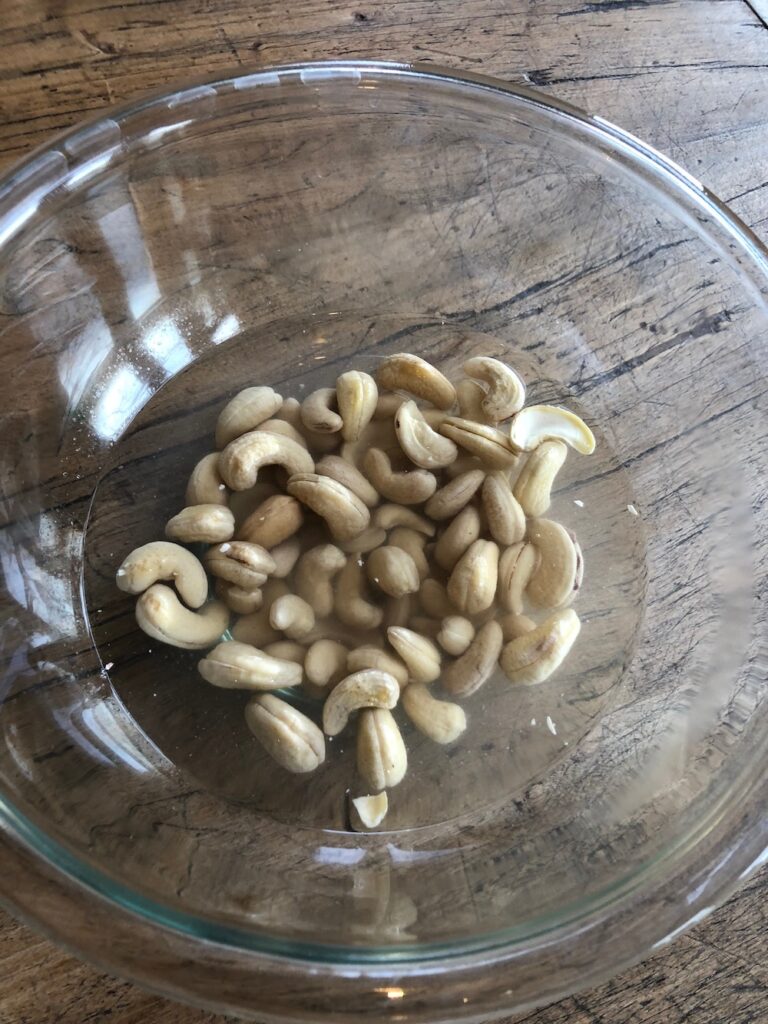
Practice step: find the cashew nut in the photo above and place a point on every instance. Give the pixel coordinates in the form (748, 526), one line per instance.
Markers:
(372, 537)
(491, 445)
(293, 616)
(343, 511)
(406, 372)
(350, 603)
(539, 423)
(241, 460)
(382, 759)
(516, 566)
(368, 688)
(274, 521)
(325, 663)
(345, 473)
(245, 412)
(292, 739)
(163, 617)
(368, 812)
(240, 601)
(459, 534)
(388, 516)
(434, 599)
(472, 584)
(424, 626)
(440, 720)
(513, 626)
(398, 610)
(393, 571)
(254, 628)
(472, 669)
(470, 397)
(535, 655)
(423, 445)
(387, 405)
(287, 650)
(161, 560)
(285, 429)
(317, 412)
(238, 666)
(420, 655)
(369, 656)
(413, 543)
(285, 556)
(205, 485)
(506, 519)
(506, 391)
(453, 496)
(533, 486)
(315, 570)
(206, 524)
(239, 562)
(554, 580)
(357, 395)
(455, 634)
(290, 411)
(409, 487)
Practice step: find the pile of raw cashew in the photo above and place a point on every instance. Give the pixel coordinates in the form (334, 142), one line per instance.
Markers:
(371, 543)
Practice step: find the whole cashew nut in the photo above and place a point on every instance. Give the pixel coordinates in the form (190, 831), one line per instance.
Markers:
(317, 413)
(350, 603)
(161, 560)
(162, 616)
(382, 759)
(241, 460)
(345, 514)
(357, 395)
(406, 372)
(238, 666)
(506, 391)
(418, 652)
(245, 412)
(236, 561)
(275, 520)
(292, 739)
(533, 487)
(451, 498)
(423, 445)
(534, 656)
(314, 572)
(368, 688)
(207, 524)
(345, 473)
(409, 487)
(393, 571)
(472, 584)
(205, 485)
(506, 519)
(491, 445)
(473, 668)
(440, 720)
(325, 663)
(293, 616)
(413, 543)
(462, 531)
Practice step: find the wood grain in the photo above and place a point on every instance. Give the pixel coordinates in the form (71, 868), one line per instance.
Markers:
(687, 75)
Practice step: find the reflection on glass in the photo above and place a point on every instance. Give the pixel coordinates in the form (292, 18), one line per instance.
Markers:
(120, 401)
(166, 344)
(226, 329)
(82, 357)
(122, 232)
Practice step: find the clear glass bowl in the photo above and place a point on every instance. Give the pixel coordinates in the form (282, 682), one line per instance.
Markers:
(274, 228)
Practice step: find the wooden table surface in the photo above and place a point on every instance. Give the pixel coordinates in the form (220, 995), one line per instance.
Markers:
(689, 76)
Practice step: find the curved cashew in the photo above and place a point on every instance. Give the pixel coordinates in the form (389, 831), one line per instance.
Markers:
(451, 499)
(285, 557)
(533, 487)
(285, 429)
(369, 656)
(293, 616)
(163, 617)
(290, 411)
(463, 464)
(472, 669)
(205, 485)
(378, 434)
(388, 516)
(413, 543)
(370, 539)
(491, 445)
(393, 571)
(237, 666)
(505, 517)
(245, 412)
(382, 759)
(345, 473)
(367, 812)
(456, 634)
(434, 599)
(239, 601)
(534, 656)
(368, 688)
(513, 626)
(409, 487)
(317, 412)
(350, 603)
(516, 566)
(241, 460)
(440, 720)
(540, 423)
(236, 561)
(506, 390)
(314, 572)
(463, 530)
(343, 511)
(406, 372)
(420, 655)
(207, 524)
(325, 662)
(292, 739)
(556, 577)
(272, 522)
(470, 397)
(423, 445)
(161, 560)
(357, 394)
(472, 584)
(398, 610)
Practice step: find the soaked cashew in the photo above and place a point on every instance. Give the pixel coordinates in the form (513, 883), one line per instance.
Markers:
(343, 511)
(456, 634)
(317, 412)
(409, 487)
(382, 759)
(286, 429)
(413, 543)
(451, 499)
(254, 628)
(516, 566)
(424, 625)
(398, 610)
(350, 603)
(466, 675)
(287, 650)
(207, 524)
(393, 571)
(238, 666)
(239, 562)
(292, 739)
(472, 584)
(389, 516)
(556, 576)
(161, 615)
(368, 812)
(440, 720)
(534, 656)
(505, 517)
(293, 616)
(533, 487)
(463, 530)
(314, 572)
(513, 626)
(242, 602)
(345, 473)
(285, 556)
(420, 655)
(205, 485)
(387, 405)
(325, 663)
(241, 460)
(368, 688)
(370, 539)
(245, 412)
(539, 423)
(434, 599)
(423, 445)
(357, 395)
(369, 656)
(161, 560)
(491, 445)
(506, 391)
(406, 372)
(470, 397)
(274, 521)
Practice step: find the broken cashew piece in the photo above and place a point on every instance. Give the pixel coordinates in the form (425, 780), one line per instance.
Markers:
(368, 812)
(472, 583)
(440, 720)
(534, 656)
(456, 634)
(350, 603)
(409, 487)
(238, 666)
(506, 518)
(505, 393)
(241, 563)
(382, 759)
(406, 372)
(293, 616)
(420, 655)
(162, 616)
(241, 460)
(516, 567)
(207, 524)
(451, 499)
(205, 485)
(161, 560)
(345, 514)
(539, 423)
(317, 412)
(466, 675)
(345, 473)
(393, 571)
(533, 487)
(314, 572)
(245, 412)
(423, 445)
(368, 688)
(292, 739)
(557, 574)
(357, 395)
